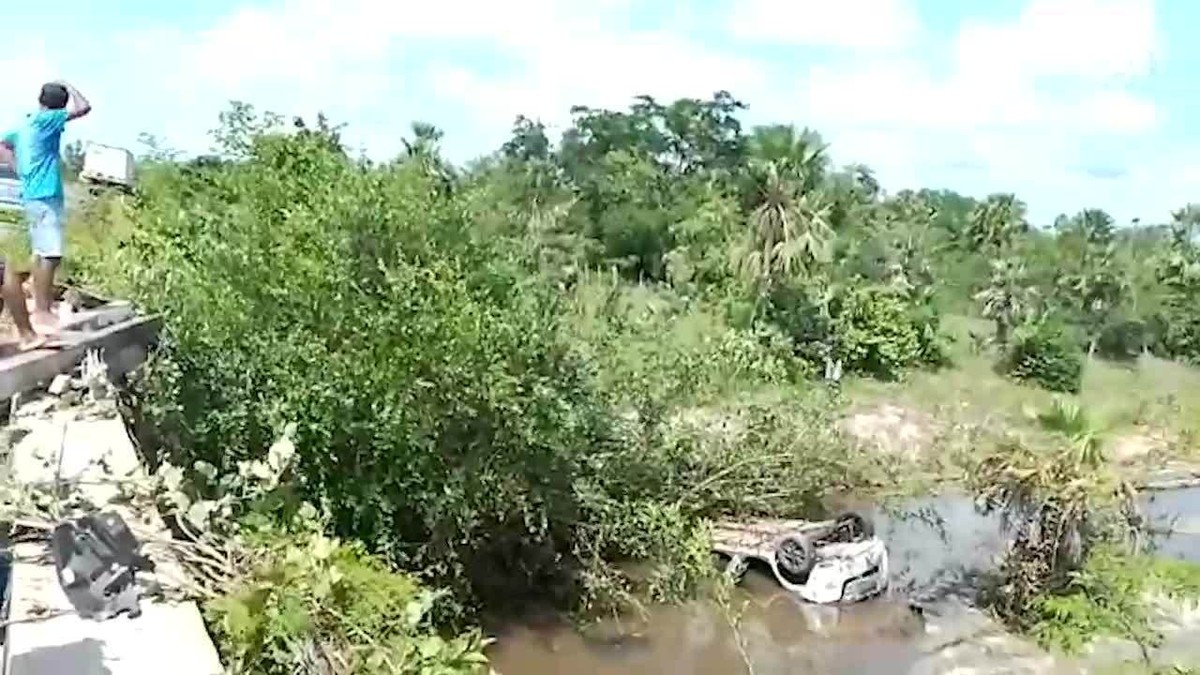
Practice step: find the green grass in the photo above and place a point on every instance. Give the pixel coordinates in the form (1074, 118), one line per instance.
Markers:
(1152, 403)
(1151, 397)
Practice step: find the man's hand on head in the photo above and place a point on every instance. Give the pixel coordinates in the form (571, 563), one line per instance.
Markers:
(80, 106)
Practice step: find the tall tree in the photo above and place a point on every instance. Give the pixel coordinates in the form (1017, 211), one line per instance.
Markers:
(1091, 286)
(993, 229)
(789, 225)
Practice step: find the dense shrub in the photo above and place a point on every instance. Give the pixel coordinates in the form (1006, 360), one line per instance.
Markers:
(688, 351)
(1123, 340)
(447, 413)
(312, 604)
(875, 332)
(1176, 330)
(441, 412)
(1044, 353)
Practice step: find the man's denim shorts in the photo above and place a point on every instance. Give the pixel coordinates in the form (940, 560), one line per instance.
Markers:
(46, 220)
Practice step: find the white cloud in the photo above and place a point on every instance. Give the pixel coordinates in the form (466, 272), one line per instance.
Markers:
(824, 23)
(1022, 100)
(598, 69)
(1012, 103)
(903, 95)
(1072, 38)
(24, 76)
(367, 62)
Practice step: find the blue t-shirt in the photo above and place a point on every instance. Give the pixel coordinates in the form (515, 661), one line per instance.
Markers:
(37, 145)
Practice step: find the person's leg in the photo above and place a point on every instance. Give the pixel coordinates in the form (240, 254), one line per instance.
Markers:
(14, 300)
(46, 239)
(44, 269)
(14, 245)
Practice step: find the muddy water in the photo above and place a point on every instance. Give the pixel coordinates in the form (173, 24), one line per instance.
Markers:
(935, 547)
(777, 634)
(1176, 511)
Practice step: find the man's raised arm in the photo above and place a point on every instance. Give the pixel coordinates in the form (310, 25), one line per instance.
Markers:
(80, 106)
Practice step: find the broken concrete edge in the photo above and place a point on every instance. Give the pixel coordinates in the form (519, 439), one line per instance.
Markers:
(82, 451)
(167, 636)
(37, 612)
(124, 345)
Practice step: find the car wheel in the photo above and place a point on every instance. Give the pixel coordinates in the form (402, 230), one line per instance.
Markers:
(851, 526)
(795, 557)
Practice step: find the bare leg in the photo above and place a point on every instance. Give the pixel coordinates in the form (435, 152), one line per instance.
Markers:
(45, 220)
(14, 300)
(44, 320)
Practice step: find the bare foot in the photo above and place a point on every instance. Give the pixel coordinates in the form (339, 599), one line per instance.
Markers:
(28, 343)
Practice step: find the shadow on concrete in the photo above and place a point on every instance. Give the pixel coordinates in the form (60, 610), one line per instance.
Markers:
(85, 657)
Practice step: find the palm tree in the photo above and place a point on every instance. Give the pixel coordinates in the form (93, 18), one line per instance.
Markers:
(784, 184)
(789, 225)
(424, 143)
(799, 154)
(995, 223)
(1007, 299)
(865, 181)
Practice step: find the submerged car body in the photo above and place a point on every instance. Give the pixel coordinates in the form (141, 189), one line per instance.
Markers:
(824, 562)
(844, 572)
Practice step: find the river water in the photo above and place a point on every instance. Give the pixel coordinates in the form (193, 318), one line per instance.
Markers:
(935, 545)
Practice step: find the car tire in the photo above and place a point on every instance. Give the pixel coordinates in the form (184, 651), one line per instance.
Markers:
(857, 526)
(795, 557)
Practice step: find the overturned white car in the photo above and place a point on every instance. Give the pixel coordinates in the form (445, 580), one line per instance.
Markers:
(830, 561)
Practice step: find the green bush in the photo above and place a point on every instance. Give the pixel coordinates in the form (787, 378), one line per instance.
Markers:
(685, 349)
(1123, 340)
(1177, 330)
(1109, 598)
(312, 604)
(1044, 353)
(440, 410)
(934, 350)
(875, 332)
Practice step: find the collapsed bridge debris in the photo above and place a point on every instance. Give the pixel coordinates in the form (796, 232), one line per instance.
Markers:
(89, 323)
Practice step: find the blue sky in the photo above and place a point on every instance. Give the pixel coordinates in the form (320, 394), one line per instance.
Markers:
(1068, 103)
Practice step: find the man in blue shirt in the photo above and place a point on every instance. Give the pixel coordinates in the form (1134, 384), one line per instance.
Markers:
(37, 146)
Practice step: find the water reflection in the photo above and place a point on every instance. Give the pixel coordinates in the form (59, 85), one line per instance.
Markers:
(1175, 514)
(776, 632)
(937, 546)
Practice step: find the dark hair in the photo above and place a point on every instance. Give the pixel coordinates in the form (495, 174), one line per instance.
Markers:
(53, 96)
